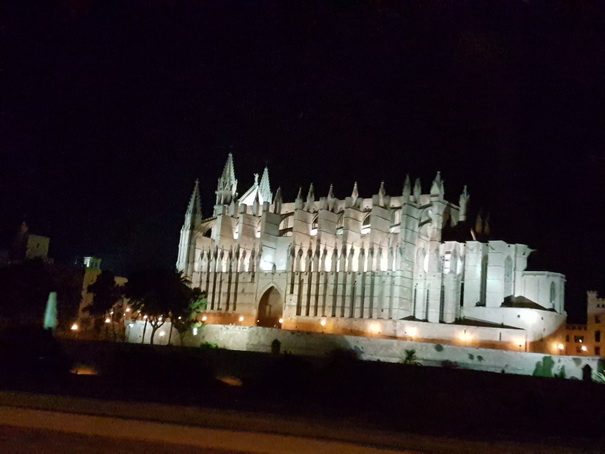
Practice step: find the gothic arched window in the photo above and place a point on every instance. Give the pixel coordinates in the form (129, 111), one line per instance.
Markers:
(340, 224)
(365, 225)
(553, 293)
(508, 277)
(314, 226)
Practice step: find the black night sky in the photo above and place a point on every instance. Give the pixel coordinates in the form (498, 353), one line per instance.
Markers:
(111, 109)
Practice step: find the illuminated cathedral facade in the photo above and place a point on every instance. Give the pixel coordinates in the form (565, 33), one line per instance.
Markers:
(405, 266)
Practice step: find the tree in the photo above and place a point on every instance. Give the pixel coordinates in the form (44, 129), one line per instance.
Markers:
(24, 288)
(157, 293)
(67, 282)
(410, 358)
(188, 318)
(106, 294)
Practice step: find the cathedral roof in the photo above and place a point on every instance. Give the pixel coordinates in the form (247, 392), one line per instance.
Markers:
(260, 190)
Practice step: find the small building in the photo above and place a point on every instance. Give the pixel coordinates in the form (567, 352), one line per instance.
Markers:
(587, 339)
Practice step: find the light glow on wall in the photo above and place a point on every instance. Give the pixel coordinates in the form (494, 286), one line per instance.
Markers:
(74, 327)
(584, 348)
(195, 331)
(412, 332)
(518, 341)
(281, 320)
(375, 328)
(107, 320)
(162, 333)
(204, 318)
(466, 336)
(530, 317)
(322, 323)
(561, 347)
(241, 318)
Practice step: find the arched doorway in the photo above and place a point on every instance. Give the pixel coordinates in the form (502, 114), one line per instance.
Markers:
(270, 309)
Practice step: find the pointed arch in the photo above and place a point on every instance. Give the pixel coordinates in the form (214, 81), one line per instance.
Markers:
(270, 308)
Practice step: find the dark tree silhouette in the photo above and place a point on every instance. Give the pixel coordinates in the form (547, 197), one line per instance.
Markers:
(187, 318)
(106, 295)
(24, 288)
(157, 293)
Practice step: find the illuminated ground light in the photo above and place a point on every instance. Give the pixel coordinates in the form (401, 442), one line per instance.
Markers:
(281, 320)
(322, 323)
(107, 320)
(84, 369)
(74, 327)
(231, 381)
(561, 347)
(518, 342)
(584, 348)
(466, 337)
(204, 318)
(195, 331)
(127, 309)
(241, 319)
(374, 328)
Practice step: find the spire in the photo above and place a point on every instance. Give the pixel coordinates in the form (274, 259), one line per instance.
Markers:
(309, 206)
(298, 202)
(381, 194)
(229, 170)
(227, 184)
(278, 201)
(19, 245)
(193, 217)
(417, 191)
(479, 224)
(256, 205)
(331, 198)
(486, 229)
(355, 193)
(463, 203)
(437, 187)
(407, 189)
(264, 188)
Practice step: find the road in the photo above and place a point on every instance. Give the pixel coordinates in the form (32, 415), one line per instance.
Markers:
(55, 424)
(25, 430)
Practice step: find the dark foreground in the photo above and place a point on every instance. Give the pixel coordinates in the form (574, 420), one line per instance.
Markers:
(336, 390)
(16, 440)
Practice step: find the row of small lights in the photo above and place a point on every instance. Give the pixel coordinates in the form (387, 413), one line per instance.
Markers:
(375, 328)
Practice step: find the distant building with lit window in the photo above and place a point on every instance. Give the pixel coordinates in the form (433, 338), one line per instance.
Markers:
(587, 339)
(406, 266)
(27, 246)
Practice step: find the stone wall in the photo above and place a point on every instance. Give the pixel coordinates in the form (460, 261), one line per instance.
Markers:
(252, 338)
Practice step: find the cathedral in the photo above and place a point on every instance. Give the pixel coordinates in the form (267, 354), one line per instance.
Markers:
(405, 266)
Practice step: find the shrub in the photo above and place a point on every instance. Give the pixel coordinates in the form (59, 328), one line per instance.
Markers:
(208, 346)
